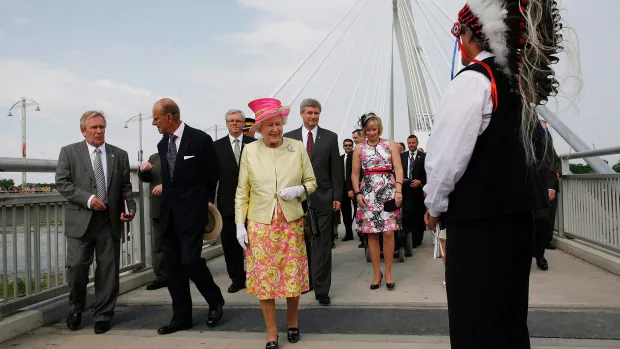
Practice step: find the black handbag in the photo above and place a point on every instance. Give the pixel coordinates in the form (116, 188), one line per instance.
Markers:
(311, 216)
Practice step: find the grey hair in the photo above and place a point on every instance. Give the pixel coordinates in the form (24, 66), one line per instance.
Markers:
(234, 111)
(309, 102)
(89, 115)
(260, 124)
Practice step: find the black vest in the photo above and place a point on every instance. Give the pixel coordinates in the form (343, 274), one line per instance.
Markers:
(496, 181)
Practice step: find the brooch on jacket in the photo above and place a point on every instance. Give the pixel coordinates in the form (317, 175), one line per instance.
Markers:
(290, 148)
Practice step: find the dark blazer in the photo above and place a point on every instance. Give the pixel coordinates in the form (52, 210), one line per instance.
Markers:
(325, 160)
(414, 197)
(554, 163)
(346, 172)
(229, 174)
(187, 197)
(153, 177)
(75, 180)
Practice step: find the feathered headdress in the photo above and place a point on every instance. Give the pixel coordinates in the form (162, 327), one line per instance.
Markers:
(525, 36)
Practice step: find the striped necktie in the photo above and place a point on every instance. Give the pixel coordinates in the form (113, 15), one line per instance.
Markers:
(171, 156)
(100, 177)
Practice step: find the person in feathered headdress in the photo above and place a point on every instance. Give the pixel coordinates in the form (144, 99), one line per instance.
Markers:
(478, 166)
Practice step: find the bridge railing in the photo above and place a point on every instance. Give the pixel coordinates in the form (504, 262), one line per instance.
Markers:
(589, 204)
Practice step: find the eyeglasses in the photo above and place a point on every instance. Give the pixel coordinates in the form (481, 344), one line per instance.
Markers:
(348, 145)
(235, 121)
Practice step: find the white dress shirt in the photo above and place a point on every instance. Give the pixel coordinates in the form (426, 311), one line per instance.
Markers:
(463, 115)
(179, 134)
(232, 141)
(410, 155)
(304, 135)
(104, 164)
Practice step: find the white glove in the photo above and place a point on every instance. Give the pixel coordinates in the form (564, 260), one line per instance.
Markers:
(242, 235)
(291, 192)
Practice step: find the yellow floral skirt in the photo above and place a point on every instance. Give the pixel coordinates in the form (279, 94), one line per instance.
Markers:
(276, 258)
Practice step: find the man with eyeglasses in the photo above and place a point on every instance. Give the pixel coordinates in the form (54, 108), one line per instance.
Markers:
(346, 208)
(229, 150)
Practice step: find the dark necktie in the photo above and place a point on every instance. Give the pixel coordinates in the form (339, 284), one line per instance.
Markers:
(411, 162)
(100, 177)
(172, 155)
(310, 143)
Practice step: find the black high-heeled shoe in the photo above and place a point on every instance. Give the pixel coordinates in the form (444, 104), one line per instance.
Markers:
(293, 334)
(376, 286)
(390, 286)
(273, 344)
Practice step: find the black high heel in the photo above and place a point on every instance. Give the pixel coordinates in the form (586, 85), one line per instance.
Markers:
(273, 344)
(390, 286)
(376, 286)
(293, 334)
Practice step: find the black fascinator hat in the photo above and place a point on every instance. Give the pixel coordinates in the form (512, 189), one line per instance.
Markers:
(363, 120)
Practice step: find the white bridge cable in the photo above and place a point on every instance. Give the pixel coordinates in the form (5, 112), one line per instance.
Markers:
(450, 19)
(359, 77)
(435, 93)
(434, 35)
(385, 85)
(327, 55)
(377, 87)
(331, 89)
(275, 93)
(421, 3)
(408, 48)
(372, 72)
(423, 88)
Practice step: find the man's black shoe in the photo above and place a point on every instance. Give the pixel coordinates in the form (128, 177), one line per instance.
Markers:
(102, 327)
(173, 327)
(215, 315)
(73, 321)
(323, 299)
(550, 246)
(235, 288)
(155, 285)
(542, 263)
(347, 238)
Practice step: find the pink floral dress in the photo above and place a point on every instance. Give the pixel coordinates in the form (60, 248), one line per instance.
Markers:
(378, 186)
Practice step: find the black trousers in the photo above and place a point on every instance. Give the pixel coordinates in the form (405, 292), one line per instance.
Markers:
(157, 253)
(552, 212)
(183, 262)
(541, 232)
(347, 215)
(319, 250)
(233, 253)
(488, 265)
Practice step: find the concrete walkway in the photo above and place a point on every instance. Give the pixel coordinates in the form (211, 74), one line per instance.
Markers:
(569, 283)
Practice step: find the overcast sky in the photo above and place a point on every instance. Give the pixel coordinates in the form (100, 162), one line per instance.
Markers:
(211, 56)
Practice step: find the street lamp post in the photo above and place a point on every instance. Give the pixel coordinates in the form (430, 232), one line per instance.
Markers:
(140, 117)
(23, 104)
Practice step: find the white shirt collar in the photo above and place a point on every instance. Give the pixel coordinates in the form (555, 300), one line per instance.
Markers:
(179, 130)
(482, 56)
(91, 148)
(305, 131)
(232, 139)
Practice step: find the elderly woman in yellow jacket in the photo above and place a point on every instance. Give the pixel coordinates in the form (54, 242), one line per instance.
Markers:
(272, 176)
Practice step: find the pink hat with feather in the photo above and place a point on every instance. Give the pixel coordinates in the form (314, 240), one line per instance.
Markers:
(265, 108)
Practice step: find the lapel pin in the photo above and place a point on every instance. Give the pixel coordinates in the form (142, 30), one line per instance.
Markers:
(290, 148)
(111, 155)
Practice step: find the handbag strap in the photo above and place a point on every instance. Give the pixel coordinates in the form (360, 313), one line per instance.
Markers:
(307, 197)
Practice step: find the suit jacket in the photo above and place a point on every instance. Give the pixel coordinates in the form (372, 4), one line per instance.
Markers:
(414, 197)
(229, 174)
(346, 172)
(75, 180)
(153, 177)
(325, 160)
(554, 163)
(186, 197)
(264, 172)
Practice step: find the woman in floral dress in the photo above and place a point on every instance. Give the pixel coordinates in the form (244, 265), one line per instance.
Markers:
(272, 175)
(380, 160)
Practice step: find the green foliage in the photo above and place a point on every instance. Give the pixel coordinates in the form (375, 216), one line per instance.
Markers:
(21, 285)
(581, 169)
(616, 167)
(6, 183)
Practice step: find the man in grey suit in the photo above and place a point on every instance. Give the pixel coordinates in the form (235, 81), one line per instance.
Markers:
(94, 177)
(150, 172)
(322, 147)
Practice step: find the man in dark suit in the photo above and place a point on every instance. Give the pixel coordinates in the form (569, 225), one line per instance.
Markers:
(413, 195)
(94, 177)
(346, 160)
(322, 147)
(189, 171)
(150, 172)
(556, 169)
(229, 151)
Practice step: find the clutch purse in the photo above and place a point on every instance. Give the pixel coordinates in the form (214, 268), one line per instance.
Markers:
(390, 206)
(311, 215)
